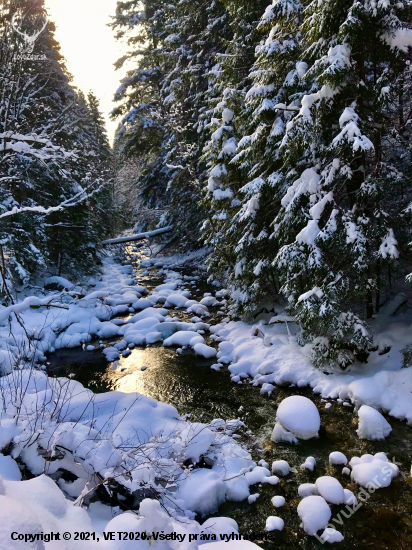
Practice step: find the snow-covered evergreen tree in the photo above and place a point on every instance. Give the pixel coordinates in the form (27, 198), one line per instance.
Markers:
(336, 226)
(44, 154)
(271, 99)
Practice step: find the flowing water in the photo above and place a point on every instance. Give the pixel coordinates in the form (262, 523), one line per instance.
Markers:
(186, 381)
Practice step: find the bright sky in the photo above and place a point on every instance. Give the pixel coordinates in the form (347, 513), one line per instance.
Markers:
(89, 47)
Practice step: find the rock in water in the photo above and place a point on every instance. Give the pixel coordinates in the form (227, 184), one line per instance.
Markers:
(297, 418)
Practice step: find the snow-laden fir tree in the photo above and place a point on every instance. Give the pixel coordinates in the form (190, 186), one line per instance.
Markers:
(337, 224)
(225, 121)
(271, 96)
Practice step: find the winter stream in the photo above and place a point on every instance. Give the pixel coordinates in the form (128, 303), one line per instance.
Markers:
(186, 381)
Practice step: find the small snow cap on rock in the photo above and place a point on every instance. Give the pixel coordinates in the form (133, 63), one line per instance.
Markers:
(314, 513)
(273, 523)
(297, 418)
(280, 468)
(309, 464)
(278, 501)
(331, 535)
(337, 458)
(372, 425)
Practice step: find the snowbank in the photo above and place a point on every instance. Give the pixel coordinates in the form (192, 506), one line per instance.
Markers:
(270, 355)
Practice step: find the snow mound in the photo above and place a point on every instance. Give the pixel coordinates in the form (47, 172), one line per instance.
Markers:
(337, 458)
(184, 338)
(350, 497)
(307, 489)
(278, 501)
(280, 468)
(176, 300)
(330, 489)
(314, 513)
(372, 425)
(253, 498)
(373, 471)
(331, 535)
(297, 418)
(205, 351)
(9, 469)
(309, 464)
(37, 506)
(142, 303)
(273, 523)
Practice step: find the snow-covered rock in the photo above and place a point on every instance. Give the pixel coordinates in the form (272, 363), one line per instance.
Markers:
(36, 506)
(278, 501)
(307, 489)
(309, 464)
(314, 513)
(337, 458)
(373, 471)
(253, 498)
(273, 523)
(330, 489)
(9, 469)
(280, 467)
(350, 498)
(372, 425)
(205, 351)
(331, 535)
(176, 300)
(142, 303)
(297, 418)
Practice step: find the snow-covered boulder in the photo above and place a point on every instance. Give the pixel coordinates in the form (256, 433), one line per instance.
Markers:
(297, 418)
(280, 467)
(330, 489)
(373, 471)
(314, 513)
(337, 458)
(273, 523)
(278, 501)
(372, 425)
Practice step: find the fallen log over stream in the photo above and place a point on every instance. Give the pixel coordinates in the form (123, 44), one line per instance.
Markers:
(139, 236)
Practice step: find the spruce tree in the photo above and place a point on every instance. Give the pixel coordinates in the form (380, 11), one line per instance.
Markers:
(337, 225)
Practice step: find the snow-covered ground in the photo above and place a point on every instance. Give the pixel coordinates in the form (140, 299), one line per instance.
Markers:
(133, 446)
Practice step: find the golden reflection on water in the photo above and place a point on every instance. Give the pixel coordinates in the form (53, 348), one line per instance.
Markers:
(132, 378)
